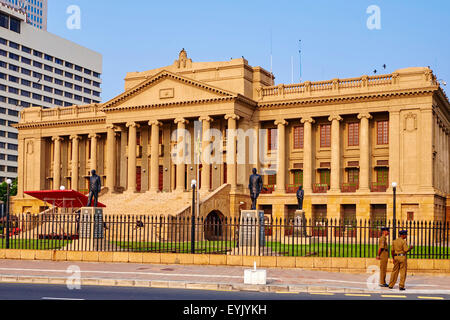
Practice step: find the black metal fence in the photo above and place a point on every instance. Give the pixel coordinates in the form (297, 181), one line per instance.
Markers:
(272, 237)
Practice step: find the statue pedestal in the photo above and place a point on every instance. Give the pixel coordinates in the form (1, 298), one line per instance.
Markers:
(300, 223)
(251, 232)
(91, 223)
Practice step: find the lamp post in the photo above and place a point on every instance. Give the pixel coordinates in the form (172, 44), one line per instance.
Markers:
(394, 188)
(8, 186)
(193, 185)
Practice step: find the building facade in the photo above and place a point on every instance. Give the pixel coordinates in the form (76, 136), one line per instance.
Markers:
(35, 10)
(38, 68)
(344, 140)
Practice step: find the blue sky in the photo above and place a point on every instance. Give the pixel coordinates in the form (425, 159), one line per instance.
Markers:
(141, 35)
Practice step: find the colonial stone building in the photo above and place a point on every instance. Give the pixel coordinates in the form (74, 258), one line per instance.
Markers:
(344, 140)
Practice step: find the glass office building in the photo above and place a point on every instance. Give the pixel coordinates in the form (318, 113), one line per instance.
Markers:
(36, 11)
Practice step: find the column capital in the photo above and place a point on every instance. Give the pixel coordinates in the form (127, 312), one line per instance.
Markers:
(232, 116)
(111, 127)
(57, 138)
(132, 124)
(205, 119)
(336, 117)
(364, 115)
(281, 122)
(155, 123)
(307, 119)
(93, 136)
(75, 137)
(181, 121)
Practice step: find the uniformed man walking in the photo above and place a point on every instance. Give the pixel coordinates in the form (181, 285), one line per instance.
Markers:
(399, 251)
(383, 256)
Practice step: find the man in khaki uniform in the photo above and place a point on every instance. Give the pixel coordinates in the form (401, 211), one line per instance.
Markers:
(383, 256)
(399, 251)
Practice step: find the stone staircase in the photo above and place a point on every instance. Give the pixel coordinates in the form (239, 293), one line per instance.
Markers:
(150, 204)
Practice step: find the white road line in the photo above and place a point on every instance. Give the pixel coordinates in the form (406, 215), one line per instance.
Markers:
(134, 273)
(62, 299)
(356, 282)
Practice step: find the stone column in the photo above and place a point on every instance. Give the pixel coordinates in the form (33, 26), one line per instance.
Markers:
(132, 146)
(364, 172)
(154, 151)
(181, 123)
(307, 155)
(93, 138)
(57, 163)
(255, 148)
(110, 158)
(75, 161)
(206, 140)
(394, 150)
(335, 178)
(231, 150)
(281, 156)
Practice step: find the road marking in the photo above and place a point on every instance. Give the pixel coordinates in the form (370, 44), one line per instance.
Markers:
(322, 293)
(286, 292)
(63, 299)
(357, 295)
(133, 272)
(389, 296)
(356, 282)
(434, 298)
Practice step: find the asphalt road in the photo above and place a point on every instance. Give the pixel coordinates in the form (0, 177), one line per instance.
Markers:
(60, 292)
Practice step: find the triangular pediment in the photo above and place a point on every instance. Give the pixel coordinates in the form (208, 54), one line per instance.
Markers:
(167, 87)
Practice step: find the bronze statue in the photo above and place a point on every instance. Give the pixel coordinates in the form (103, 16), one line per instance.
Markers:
(300, 197)
(255, 185)
(95, 186)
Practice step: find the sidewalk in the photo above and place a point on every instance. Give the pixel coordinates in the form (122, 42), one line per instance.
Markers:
(209, 278)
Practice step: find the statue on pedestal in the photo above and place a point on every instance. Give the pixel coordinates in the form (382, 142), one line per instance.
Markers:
(95, 186)
(300, 197)
(255, 186)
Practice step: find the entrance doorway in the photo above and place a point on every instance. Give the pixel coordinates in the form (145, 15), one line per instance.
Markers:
(214, 226)
(138, 179)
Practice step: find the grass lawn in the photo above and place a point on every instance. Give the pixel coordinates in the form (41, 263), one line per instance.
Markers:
(314, 249)
(353, 250)
(34, 244)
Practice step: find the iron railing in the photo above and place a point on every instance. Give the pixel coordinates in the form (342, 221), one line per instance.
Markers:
(233, 236)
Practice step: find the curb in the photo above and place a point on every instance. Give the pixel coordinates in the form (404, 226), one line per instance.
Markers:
(163, 284)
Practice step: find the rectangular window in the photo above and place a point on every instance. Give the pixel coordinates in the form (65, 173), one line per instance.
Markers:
(298, 177)
(59, 71)
(3, 53)
(26, 60)
(14, 56)
(14, 45)
(353, 177)
(26, 49)
(4, 20)
(37, 53)
(382, 132)
(37, 64)
(298, 137)
(383, 176)
(325, 177)
(12, 135)
(14, 25)
(272, 179)
(11, 157)
(272, 139)
(325, 136)
(37, 96)
(353, 134)
(59, 82)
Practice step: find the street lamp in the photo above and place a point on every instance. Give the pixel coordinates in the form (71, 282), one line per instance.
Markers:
(394, 188)
(62, 188)
(8, 186)
(193, 185)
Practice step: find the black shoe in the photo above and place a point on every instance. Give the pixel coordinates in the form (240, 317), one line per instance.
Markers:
(402, 289)
(384, 285)
(391, 288)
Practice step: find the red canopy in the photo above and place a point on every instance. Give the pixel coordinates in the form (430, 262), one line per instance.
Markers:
(63, 199)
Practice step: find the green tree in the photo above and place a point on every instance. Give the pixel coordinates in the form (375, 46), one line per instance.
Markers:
(12, 191)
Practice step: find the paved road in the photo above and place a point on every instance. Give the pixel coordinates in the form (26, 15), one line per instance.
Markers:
(59, 292)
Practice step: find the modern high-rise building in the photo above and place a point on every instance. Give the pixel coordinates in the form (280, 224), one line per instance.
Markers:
(38, 68)
(36, 11)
